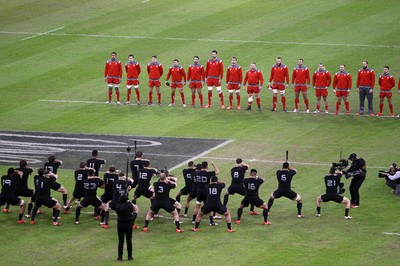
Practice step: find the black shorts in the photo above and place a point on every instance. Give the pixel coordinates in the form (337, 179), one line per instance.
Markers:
(216, 207)
(107, 196)
(332, 196)
(193, 194)
(143, 192)
(95, 202)
(78, 193)
(48, 202)
(11, 199)
(166, 205)
(256, 201)
(185, 190)
(25, 192)
(285, 192)
(201, 196)
(57, 186)
(236, 188)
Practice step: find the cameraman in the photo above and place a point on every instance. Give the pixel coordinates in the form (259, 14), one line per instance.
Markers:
(125, 211)
(358, 171)
(393, 178)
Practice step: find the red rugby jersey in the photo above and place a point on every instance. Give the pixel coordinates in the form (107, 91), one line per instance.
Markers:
(365, 78)
(155, 70)
(279, 74)
(113, 69)
(301, 76)
(234, 74)
(321, 78)
(177, 73)
(195, 73)
(342, 80)
(214, 68)
(132, 70)
(254, 78)
(386, 82)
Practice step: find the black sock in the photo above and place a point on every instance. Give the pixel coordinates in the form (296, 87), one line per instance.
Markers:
(178, 198)
(196, 225)
(146, 223)
(211, 219)
(251, 207)
(265, 214)
(67, 209)
(229, 226)
(7, 206)
(178, 225)
(103, 214)
(178, 210)
(318, 210)
(34, 212)
(299, 205)
(106, 216)
(346, 212)
(65, 199)
(20, 216)
(134, 215)
(270, 202)
(239, 213)
(30, 206)
(56, 213)
(194, 218)
(186, 210)
(77, 213)
(226, 197)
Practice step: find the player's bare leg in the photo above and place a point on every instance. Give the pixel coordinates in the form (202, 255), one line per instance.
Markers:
(228, 220)
(346, 203)
(175, 214)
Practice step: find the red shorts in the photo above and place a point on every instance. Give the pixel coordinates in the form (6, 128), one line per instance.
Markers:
(213, 82)
(195, 85)
(278, 87)
(342, 94)
(111, 81)
(154, 83)
(132, 82)
(300, 88)
(233, 87)
(321, 92)
(385, 94)
(253, 89)
(173, 86)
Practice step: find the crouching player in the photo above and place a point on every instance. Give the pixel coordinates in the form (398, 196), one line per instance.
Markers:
(332, 182)
(163, 201)
(213, 204)
(9, 183)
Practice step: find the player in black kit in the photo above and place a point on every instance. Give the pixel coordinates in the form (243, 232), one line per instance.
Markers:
(125, 211)
(136, 165)
(252, 185)
(90, 186)
(52, 165)
(284, 177)
(332, 182)
(95, 162)
(80, 175)
(7, 195)
(163, 201)
(188, 176)
(145, 176)
(213, 204)
(109, 178)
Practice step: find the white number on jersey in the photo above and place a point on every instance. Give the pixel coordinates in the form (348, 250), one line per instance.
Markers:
(251, 186)
(331, 183)
(283, 177)
(213, 191)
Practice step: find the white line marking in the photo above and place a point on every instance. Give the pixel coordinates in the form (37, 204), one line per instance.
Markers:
(391, 234)
(71, 101)
(43, 33)
(203, 154)
(204, 40)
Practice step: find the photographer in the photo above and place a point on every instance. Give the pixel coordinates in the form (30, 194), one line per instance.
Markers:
(392, 178)
(125, 211)
(358, 171)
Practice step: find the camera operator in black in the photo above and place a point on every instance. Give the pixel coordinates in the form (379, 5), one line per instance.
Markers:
(124, 210)
(358, 171)
(392, 178)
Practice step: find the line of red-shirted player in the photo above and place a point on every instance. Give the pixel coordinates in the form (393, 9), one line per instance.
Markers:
(197, 76)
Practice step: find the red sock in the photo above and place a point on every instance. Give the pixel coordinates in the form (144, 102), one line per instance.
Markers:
(274, 100)
(209, 97)
(137, 94)
(230, 99)
(380, 107)
(109, 96)
(283, 99)
(296, 103)
(150, 97)
(128, 96)
(117, 92)
(347, 105)
(172, 97)
(193, 98)
(326, 107)
(258, 102)
(238, 99)
(391, 108)
(317, 107)
(201, 98)
(183, 97)
(159, 97)
(306, 102)
(337, 106)
(221, 96)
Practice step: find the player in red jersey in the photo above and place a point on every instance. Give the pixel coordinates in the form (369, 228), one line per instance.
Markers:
(280, 78)
(214, 75)
(386, 84)
(321, 80)
(234, 77)
(113, 76)
(300, 83)
(342, 82)
(255, 80)
(195, 77)
(155, 71)
(365, 87)
(177, 73)
(133, 70)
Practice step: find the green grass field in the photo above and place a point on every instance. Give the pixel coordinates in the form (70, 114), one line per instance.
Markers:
(53, 51)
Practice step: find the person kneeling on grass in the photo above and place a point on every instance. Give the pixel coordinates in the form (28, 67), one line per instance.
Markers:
(214, 204)
(163, 201)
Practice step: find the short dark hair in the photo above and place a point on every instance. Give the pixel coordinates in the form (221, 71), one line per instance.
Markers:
(40, 171)
(214, 51)
(253, 171)
(131, 55)
(177, 60)
(82, 165)
(239, 160)
(139, 154)
(204, 164)
(196, 56)
(332, 170)
(95, 153)
(10, 171)
(190, 164)
(113, 53)
(386, 67)
(285, 165)
(214, 179)
(52, 158)
(198, 166)
(112, 168)
(146, 163)
(23, 163)
(153, 56)
(279, 57)
(91, 172)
